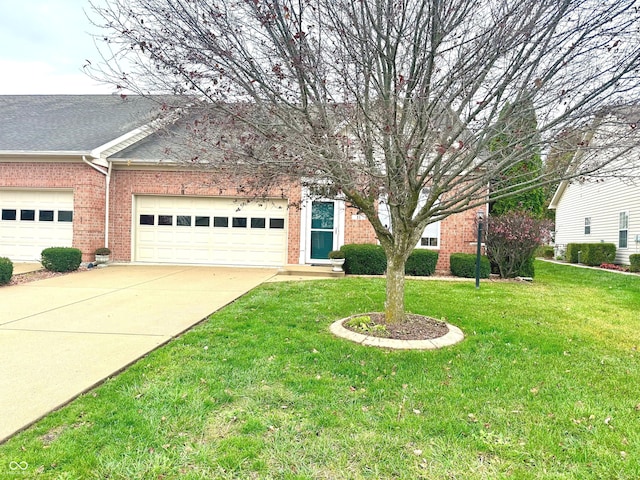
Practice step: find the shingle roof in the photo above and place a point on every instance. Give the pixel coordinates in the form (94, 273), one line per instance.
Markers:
(69, 123)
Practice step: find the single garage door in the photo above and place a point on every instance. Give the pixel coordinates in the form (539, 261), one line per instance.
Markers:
(32, 220)
(206, 230)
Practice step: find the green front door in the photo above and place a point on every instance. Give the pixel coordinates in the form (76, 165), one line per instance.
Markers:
(322, 229)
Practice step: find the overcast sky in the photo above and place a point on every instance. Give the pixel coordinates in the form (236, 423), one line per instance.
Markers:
(43, 46)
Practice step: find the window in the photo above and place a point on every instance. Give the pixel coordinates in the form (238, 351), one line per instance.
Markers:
(258, 223)
(45, 216)
(624, 230)
(147, 220)
(203, 221)
(431, 236)
(587, 226)
(183, 220)
(239, 222)
(276, 223)
(165, 220)
(29, 215)
(429, 242)
(220, 222)
(65, 216)
(8, 214)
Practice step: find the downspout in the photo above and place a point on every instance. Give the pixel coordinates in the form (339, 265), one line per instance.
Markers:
(107, 175)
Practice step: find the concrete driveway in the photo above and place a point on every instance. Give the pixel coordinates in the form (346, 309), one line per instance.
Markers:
(61, 336)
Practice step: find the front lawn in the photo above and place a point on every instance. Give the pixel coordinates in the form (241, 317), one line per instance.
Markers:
(546, 385)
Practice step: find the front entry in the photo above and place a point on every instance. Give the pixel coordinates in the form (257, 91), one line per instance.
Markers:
(323, 226)
(322, 229)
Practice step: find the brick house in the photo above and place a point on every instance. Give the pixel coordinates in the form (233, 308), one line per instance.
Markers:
(81, 171)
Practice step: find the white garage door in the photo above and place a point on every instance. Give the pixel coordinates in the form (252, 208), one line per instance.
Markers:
(205, 230)
(32, 220)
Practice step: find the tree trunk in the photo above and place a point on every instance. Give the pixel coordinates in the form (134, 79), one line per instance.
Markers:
(394, 306)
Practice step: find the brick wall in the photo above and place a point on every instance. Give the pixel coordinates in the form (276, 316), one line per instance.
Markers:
(457, 235)
(357, 228)
(88, 187)
(457, 232)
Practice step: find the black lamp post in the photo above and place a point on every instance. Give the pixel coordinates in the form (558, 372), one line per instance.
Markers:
(480, 219)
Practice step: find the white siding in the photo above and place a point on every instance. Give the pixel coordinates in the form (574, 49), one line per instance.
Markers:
(602, 201)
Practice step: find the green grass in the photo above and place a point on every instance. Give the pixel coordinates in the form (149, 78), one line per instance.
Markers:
(546, 385)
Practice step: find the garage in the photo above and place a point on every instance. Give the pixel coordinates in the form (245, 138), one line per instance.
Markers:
(210, 230)
(32, 220)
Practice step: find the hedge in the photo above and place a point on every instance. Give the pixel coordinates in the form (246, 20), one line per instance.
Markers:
(6, 270)
(571, 254)
(464, 265)
(592, 254)
(595, 254)
(634, 260)
(545, 251)
(61, 259)
(421, 263)
(364, 259)
(527, 269)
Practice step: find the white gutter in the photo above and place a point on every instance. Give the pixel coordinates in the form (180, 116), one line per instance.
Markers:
(107, 175)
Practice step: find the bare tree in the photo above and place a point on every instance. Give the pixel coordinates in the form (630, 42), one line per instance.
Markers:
(383, 99)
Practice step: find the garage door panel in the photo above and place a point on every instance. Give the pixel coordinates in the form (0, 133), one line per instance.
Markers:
(32, 220)
(201, 230)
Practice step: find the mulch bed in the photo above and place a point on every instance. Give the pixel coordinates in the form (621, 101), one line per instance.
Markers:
(415, 327)
(20, 278)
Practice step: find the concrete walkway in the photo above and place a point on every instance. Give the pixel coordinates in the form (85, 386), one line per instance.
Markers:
(61, 336)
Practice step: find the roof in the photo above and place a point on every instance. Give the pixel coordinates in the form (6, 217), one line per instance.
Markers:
(70, 123)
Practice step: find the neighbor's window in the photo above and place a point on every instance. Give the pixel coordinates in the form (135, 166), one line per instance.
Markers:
(8, 214)
(587, 226)
(65, 216)
(624, 230)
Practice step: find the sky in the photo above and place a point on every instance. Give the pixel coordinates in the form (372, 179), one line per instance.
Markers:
(43, 46)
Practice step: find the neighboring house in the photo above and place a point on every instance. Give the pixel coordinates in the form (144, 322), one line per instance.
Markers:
(592, 212)
(606, 209)
(87, 171)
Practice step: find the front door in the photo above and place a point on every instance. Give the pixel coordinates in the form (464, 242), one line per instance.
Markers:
(323, 229)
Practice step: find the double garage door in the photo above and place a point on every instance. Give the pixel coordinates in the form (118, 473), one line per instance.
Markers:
(205, 230)
(32, 220)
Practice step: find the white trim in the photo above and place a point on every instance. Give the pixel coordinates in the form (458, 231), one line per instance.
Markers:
(305, 226)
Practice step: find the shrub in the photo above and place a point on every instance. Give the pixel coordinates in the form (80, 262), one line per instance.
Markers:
(527, 269)
(512, 240)
(545, 251)
(6, 270)
(595, 254)
(335, 254)
(634, 260)
(421, 263)
(364, 259)
(464, 265)
(102, 251)
(61, 259)
(572, 252)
